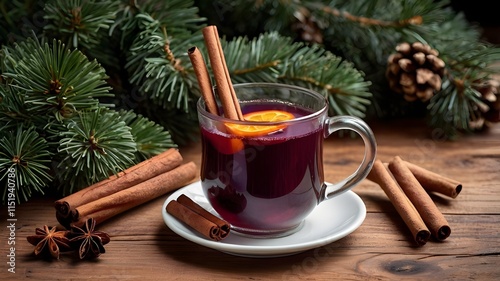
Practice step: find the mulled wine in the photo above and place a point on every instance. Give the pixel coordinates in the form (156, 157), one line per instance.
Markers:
(264, 174)
(269, 182)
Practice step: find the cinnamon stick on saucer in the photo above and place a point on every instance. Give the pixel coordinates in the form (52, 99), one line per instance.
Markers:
(380, 175)
(225, 88)
(431, 215)
(192, 214)
(222, 224)
(431, 181)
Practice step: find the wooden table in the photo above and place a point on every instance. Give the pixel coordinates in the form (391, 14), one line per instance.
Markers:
(142, 247)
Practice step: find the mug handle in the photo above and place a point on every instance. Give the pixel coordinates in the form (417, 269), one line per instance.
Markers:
(361, 128)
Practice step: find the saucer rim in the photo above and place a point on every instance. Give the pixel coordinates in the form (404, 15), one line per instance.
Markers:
(348, 226)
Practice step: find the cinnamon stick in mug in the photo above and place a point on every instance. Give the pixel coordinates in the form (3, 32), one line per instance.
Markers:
(431, 215)
(225, 88)
(431, 181)
(136, 174)
(380, 175)
(116, 203)
(200, 69)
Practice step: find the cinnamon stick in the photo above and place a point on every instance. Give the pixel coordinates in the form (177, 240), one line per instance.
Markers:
(431, 215)
(222, 224)
(431, 181)
(116, 203)
(380, 175)
(201, 72)
(198, 218)
(147, 169)
(225, 88)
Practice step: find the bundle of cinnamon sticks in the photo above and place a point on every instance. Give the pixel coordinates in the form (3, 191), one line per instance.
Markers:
(227, 95)
(407, 186)
(136, 185)
(193, 215)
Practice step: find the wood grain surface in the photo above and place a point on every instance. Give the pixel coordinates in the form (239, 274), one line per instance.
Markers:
(142, 247)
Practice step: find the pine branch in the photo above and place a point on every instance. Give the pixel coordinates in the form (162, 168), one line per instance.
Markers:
(456, 107)
(298, 64)
(338, 80)
(80, 23)
(157, 64)
(97, 144)
(24, 154)
(155, 37)
(337, 48)
(53, 84)
(10, 56)
(13, 109)
(15, 112)
(180, 16)
(256, 60)
(366, 33)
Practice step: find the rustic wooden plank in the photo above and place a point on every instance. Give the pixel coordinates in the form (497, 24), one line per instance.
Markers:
(143, 248)
(147, 241)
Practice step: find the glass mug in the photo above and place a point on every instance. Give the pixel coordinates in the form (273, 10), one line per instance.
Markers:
(266, 185)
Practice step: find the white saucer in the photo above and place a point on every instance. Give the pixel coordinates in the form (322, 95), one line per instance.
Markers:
(330, 221)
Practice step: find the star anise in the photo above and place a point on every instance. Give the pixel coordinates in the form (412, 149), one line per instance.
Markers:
(89, 242)
(49, 240)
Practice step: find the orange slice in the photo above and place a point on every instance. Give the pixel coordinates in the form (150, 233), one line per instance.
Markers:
(226, 145)
(260, 116)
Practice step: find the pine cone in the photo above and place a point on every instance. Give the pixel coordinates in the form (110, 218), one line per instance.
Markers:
(306, 27)
(415, 71)
(490, 92)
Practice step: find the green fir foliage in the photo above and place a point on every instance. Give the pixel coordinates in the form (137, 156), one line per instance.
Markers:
(97, 144)
(25, 155)
(94, 87)
(80, 23)
(53, 84)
